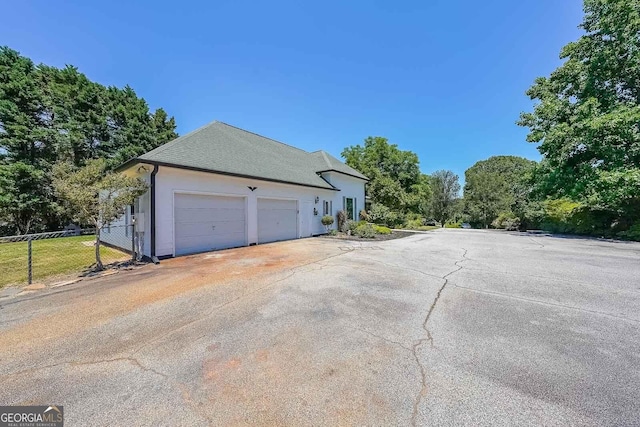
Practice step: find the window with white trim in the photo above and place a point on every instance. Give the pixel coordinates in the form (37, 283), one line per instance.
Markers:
(327, 207)
(350, 207)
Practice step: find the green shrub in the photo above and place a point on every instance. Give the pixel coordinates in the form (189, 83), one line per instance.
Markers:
(558, 215)
(366, 231)
(453, 225)
(414, 224)
(379, 229)
(350, 225)
(567, 216)
(380, 214)
(333, 232)
(595, 222)
(506, 221)
(327, 220)
(427, 228)
(633, 233)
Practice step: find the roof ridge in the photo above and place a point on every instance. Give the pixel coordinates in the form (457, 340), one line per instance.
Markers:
(169, 144)
(265, 137)
(326, 159)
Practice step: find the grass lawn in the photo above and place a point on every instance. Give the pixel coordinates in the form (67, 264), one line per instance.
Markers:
(52, 257)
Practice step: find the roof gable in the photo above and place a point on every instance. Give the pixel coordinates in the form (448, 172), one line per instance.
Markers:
(219, 147)
(329, 163)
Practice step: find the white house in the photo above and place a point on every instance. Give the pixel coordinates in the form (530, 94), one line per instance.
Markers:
(221, 187)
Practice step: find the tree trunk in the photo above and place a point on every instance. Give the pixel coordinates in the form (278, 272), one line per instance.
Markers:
(99, 265)
(22, 226)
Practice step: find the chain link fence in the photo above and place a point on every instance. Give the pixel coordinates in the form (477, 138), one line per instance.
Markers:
(45, 257)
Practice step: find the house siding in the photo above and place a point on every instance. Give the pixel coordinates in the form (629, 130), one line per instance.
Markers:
(119, 232)
(349, 187)
(171, 180)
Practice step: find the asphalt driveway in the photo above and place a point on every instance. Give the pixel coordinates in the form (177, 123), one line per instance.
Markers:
(444, 328)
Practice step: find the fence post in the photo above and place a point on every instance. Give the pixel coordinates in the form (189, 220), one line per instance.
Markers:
(29, 264)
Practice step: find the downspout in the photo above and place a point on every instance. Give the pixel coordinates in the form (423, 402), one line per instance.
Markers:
(153, 213)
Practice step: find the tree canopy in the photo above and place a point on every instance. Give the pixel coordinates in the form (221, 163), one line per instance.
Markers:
(587, 117)
(50, 115)
(445, 190)
(492, 187)
(92, 195)
(395, 178)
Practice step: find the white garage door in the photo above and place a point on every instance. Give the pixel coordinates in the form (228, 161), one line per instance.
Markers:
(277, 220)
(205, 223)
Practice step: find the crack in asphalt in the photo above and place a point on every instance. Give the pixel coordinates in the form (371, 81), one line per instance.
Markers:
(534, 241)
(382, 338)
(185, 393)
(411, 269)
(553, 279)
(570, 307)
(429, 337)
(129, 359)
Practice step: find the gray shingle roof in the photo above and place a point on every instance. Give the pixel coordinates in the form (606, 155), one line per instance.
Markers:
(332, 164)
(219, 147)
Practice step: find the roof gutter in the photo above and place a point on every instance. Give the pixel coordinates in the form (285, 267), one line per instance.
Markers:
(128, 163)
(153, 212)
(237, 175)
(344, 173)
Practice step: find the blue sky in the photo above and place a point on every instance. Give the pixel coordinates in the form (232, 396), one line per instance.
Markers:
(443, 78)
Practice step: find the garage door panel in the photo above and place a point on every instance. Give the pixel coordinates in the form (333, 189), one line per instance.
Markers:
(277, 220)
(212, 228)
(204, 223)
(203, 214)
(204, 201)
(192, 244)
(277, 204)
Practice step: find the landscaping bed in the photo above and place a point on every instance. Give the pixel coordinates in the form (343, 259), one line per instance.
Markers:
(361, 230)
(378, 237)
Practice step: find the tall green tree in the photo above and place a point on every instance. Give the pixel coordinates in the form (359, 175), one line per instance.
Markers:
(77, 114)
(587, 114)
(133, 130)
(24, 135)
(50, 115)
(23, 197)
(492, 187)
(445, 189)
(395, 178)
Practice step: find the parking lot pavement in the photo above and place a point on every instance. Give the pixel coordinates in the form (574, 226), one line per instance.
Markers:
(444, 328)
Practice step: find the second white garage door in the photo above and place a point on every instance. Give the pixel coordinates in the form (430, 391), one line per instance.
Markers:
(206, 223)
(277, 220)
